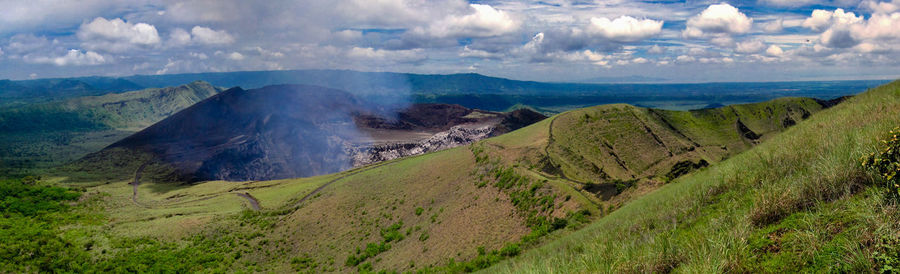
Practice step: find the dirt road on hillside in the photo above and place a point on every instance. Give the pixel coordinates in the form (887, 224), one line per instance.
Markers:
(254, 204)
(135, 183)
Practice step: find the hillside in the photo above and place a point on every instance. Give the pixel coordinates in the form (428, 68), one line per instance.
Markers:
(459, 209)
(622, 142)
(48, 134)
(799, 202)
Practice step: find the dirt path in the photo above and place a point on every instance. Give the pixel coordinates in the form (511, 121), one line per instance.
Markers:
(134, 185)
(562, 174)
(254, 204)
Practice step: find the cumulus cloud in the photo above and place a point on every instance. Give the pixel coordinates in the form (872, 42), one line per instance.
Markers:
(116, 35)
(483, 21)
(656, 49)
(204, 35)
(820, 20)
(73, 57)
(774, 51)
(624, 28)
(179, 36)
(717, 19)
(752, 46)
(882, 7)
(236, 56)
(842, 29)
(199, 35)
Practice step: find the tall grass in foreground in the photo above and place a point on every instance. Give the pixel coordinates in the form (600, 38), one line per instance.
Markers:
(800, 201)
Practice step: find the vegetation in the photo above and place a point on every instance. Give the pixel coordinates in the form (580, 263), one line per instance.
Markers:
(886, 163)
(800, 201)
(517, 203)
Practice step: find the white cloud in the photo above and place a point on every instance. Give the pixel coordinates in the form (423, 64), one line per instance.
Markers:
(775, 26)
(347, 35)
(842, 29)
(204, 35)
(201, 56)
(73, 57)
(656, 49)
(774, 51)
(640, 60)
(484, 21)
(179, 36)
(116, 35)
(624, 28)
(475, 53)
(881, 7)
(236, 56)
(752, 46)
(268, 53)
(717, 19)
(820, 20)
(685, 59)
(879, 26)
(722, 41)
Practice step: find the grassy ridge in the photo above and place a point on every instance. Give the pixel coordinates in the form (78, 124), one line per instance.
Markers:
(799, 202)
(623, 142)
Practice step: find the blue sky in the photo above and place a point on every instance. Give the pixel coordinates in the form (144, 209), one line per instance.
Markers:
(548, 40)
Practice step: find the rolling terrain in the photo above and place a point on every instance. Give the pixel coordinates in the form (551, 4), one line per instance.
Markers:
(459, 209)
(799, 202)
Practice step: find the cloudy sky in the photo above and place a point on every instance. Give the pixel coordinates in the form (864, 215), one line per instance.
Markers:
(549, 40)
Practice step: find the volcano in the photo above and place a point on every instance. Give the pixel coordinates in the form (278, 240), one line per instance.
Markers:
(288, 131)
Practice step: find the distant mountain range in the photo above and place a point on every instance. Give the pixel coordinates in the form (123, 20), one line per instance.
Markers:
(470, 90)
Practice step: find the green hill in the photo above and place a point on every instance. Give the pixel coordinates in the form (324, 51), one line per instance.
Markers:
(461, 209)
(799, 202)
(48, 134)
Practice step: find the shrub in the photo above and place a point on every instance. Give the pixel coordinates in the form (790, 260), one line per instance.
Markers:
(887, 164)
(419, 211)
(510, 250)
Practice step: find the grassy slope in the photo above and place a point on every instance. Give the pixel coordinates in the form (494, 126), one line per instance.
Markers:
(608, 142)
(49, 134)
(796, 202)
(433, 195)
(495, 190)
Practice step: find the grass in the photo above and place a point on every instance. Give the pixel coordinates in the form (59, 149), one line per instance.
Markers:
(804, 187)
(622, 142)
(470, 207)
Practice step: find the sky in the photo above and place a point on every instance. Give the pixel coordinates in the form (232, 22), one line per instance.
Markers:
(547, 40)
